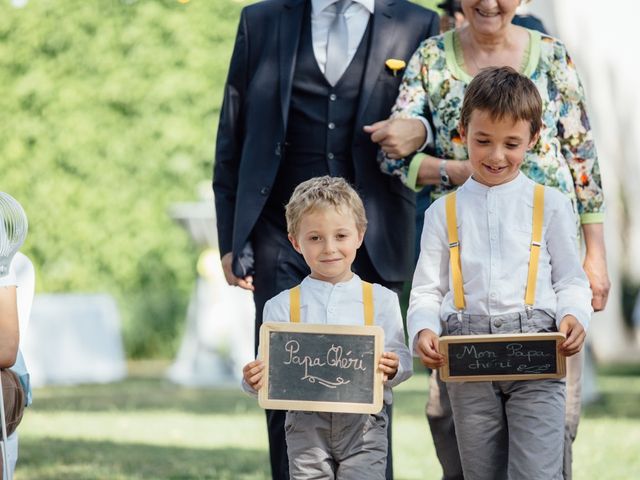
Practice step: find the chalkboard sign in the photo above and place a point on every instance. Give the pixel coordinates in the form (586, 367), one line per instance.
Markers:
(502, 357)
(322, 368)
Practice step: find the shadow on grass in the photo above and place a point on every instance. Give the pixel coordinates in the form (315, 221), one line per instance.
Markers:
(52, 458)
(144, 394)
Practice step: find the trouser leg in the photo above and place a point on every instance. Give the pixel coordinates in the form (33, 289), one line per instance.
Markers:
(308, 445)
(361, 452)
(481, 429)
(573, 407)
(535, 411)
(443, 432)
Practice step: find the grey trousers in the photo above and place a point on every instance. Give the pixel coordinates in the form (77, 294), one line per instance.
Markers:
(509, 430)
(440, 417)
(336, 446)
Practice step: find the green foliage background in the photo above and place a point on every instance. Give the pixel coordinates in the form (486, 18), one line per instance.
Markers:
(109, 111)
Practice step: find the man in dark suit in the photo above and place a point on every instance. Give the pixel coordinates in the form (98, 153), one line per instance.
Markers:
(305, 77)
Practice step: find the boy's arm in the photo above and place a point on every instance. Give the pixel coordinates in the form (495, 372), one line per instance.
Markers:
(431, 278)
(252, 377)
(275, 310)
(569, 280)
(391, 322)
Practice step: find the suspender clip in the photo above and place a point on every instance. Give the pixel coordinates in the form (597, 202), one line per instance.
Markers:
(454, 244)
(529, 310)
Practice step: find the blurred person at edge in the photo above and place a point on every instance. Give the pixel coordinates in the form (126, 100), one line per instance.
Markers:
(12, 370)
(564, 157)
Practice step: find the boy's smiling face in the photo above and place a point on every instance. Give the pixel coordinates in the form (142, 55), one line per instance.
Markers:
(328, 239)
(496, 147)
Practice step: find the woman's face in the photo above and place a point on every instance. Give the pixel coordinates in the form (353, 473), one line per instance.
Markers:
(489, 16)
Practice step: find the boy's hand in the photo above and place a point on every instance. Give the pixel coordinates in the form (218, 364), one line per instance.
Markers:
(575, 333)
(253, 373)
(427, 348)
(389, 363)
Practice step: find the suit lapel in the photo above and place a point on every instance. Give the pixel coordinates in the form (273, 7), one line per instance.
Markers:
(290, 27)
(384, 30)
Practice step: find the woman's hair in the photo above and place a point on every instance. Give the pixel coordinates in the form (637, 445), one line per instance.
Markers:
(503, 92)
(323, 192)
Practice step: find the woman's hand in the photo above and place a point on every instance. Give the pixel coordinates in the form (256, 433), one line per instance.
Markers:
(427, 348)
(389, 362)
(595, 265)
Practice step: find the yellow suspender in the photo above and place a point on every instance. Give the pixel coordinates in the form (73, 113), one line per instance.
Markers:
(454, 248)
(294, 304)
(367, 299)
(536, 241)
(454, 251)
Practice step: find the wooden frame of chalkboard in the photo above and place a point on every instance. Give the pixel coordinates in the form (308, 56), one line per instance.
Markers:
(523, 356)
(321, 368)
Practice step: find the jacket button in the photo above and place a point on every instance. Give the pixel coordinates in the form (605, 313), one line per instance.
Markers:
(264, 190)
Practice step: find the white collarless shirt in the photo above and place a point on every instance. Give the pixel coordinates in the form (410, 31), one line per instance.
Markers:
(322, 14)
(341, 304)
(494, 230)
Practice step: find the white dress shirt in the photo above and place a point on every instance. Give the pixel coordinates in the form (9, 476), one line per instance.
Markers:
(494, 230)
(341, 304)
(322, 14)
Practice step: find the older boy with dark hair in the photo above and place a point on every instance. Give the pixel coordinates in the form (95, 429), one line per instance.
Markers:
(477, 285)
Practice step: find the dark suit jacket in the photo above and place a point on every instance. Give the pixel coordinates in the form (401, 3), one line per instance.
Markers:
(253, 124)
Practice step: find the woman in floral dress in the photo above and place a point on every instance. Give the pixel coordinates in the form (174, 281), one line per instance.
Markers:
(433, 87)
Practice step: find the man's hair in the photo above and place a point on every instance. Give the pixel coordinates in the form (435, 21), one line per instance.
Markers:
(503, 92)
(323, 192)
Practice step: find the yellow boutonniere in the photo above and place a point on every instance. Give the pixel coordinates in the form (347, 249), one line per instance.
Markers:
(395, 65)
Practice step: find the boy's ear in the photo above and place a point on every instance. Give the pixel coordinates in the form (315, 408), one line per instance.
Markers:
(294, 242)
(534, 140)
(463, 134)
(361, 237)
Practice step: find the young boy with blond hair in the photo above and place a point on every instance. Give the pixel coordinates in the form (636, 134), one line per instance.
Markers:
(326, 223)
(481, 282)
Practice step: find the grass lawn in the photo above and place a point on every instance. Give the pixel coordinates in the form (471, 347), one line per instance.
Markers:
(146, 428)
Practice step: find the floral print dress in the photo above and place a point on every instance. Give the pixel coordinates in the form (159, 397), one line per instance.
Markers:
(564, 157)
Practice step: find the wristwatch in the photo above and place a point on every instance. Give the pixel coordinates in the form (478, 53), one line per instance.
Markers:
(445, 181)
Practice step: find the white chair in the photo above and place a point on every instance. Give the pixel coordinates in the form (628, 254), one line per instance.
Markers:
(25, 274)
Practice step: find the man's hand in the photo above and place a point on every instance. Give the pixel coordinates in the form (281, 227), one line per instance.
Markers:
(427, 348)
(575, 333)
(253, 372)
(246, 282)
(398, 137)
(389, 363)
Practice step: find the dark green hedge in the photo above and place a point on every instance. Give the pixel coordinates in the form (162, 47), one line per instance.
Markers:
(109, 111)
